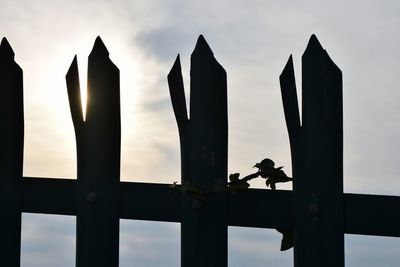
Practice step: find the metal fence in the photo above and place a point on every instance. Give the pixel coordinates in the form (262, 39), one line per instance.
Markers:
(317, 209)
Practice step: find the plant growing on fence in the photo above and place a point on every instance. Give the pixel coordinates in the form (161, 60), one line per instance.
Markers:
(266, 170)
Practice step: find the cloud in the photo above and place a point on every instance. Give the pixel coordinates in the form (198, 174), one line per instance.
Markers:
(371, 251)
(145, 243)
(47, 240)
(258, 247)
(252, 40)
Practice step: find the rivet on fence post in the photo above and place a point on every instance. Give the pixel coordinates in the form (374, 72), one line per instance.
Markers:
(313, 210)
(91, 197)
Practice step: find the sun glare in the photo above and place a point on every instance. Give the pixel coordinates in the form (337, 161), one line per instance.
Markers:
(82, 67)
(128, 79)
(48, 111)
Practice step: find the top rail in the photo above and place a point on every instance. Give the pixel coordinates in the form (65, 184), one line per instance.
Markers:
(364, 214)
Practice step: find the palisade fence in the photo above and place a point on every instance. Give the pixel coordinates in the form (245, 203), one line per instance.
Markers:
(317, 209)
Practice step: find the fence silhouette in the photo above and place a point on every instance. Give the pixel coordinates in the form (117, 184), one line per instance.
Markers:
(317, 209)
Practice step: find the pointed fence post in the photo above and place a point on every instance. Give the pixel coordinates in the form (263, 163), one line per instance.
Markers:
(204, 147)
(98, 140)
(11, 155)
(317, 156)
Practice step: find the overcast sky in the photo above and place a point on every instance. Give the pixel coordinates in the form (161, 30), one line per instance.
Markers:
(252, 40)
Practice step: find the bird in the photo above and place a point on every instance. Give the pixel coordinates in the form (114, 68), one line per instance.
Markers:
(267, 170)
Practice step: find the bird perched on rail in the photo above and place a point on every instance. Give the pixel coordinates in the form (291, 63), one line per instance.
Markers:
(267, 170)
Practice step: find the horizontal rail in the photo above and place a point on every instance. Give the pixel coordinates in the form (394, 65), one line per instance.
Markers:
(261, 208)
(364, 214)
(145, 201)
(49, 196)
(372, 214)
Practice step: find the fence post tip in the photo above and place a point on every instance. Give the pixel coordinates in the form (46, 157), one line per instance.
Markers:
(313, 45)
(288, 66)
(176, 67)
(6, 49)
(99, 47)
(202, 46)
(73, 66)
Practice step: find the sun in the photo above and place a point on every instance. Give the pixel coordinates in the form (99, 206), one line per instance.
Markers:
(50, 139)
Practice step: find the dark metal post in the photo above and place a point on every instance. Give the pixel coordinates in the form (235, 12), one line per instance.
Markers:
(11, 155)
(317, 152)
(204, 147)
(98, 141)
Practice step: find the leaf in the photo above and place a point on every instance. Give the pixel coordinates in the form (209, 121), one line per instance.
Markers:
(273, 186)
(270, 183)
(287, 238)
(234, 177)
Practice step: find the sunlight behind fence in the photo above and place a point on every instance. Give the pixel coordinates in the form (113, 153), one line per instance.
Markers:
(317, 212)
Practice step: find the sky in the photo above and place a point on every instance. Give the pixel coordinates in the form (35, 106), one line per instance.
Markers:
(252, 40)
